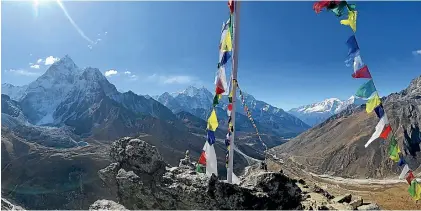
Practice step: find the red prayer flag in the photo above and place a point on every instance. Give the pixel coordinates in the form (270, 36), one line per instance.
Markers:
(230, 107)
(385, 132)
(219, 90)
(318, 6)
(231, 5)
(362, 73)
(202, 159)
(410, 177)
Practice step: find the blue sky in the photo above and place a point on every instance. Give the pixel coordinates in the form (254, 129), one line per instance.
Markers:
(289, 56)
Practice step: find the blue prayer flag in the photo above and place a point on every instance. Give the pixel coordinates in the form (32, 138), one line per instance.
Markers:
(379, 111)
(211, 137)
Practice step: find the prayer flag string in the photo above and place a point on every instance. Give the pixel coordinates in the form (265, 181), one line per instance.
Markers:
(368, 91)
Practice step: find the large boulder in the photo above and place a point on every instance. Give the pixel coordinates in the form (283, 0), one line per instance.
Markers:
(143, 181)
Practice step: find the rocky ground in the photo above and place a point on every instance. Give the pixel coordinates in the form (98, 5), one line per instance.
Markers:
(387, 194)
(140, 179)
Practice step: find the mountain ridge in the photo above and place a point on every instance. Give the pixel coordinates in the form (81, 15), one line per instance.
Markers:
(336, 146)
(316, 113)
(198, 101)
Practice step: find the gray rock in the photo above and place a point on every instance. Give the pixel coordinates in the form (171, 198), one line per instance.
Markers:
(344, 198)
(356, 203)
(143, 181)
(337, 206)
(372, 206)
(320, 190)
(6, 205)
(106, 205)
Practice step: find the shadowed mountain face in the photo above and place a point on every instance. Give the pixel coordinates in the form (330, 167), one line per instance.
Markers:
(336, 146)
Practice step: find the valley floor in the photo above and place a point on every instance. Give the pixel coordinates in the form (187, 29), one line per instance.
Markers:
(390, 194)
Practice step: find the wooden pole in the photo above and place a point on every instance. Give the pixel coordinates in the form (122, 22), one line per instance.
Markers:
(234, 86)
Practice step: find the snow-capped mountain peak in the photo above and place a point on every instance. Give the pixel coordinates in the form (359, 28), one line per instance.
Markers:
(330, 105)
(193, 91)
(320, 111)
(14, 92)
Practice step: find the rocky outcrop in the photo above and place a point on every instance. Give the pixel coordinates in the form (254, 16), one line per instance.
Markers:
(6, 205)
(142, 180)
(106, 205)
(318, 199)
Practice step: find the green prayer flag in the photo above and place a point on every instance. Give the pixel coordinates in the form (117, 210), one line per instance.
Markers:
(366, 90)
(392, 146)
(215, 100)
(412, 189)
(339, 9)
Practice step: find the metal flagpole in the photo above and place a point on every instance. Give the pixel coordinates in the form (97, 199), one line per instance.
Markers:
(234, 87)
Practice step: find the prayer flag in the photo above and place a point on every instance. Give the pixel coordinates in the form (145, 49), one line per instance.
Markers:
(385, 133)
(211, 137)
(358, 63)
(379, 129)
(221, 81)
(401, 161)
(405, 170)
(362, 73)
(211, 162)
(340, 8)
(202, 158)
(351, 21)
(379, 111)
(394, 153)
(231, 6)
(372, 103)
(353, 49)
(212, 121)
(366, 90)
(223, 58)
(415, 190)
(227, 42)
(318, 6)
(409, 177)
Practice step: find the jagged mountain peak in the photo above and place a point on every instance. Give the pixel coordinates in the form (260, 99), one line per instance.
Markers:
(193, 91)
(64, 65)
(414, 87)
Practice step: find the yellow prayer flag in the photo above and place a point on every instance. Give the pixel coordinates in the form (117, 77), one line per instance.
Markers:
(372, 103)
(351, 21)
(212, 121)
(227, 42)
(417, 192)
(395, 155)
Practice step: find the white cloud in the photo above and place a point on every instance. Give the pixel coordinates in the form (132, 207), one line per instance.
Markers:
(35, 66)
(50, 60)
(128, 73)
(39, 61)
(133, 77)
(109, 73)
(179, 79)
(22, 72)
(418, 52)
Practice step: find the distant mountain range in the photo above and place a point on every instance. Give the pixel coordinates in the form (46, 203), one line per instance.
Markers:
(47, 123)
(317, 113)
(269, 119)
(336, 146)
